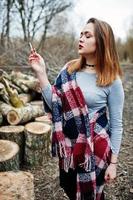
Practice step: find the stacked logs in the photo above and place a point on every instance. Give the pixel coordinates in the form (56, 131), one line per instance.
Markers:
(18, 106)
(28, 145)
(24, 145)
(17, 91)
(25, 132)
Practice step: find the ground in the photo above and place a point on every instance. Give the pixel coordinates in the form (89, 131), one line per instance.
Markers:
(46, 177)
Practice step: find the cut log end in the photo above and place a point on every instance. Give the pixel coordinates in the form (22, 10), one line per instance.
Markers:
(16, 186)
(37, 128)
(8, 150)
(13, 117)
(44, 119)
(11, 129)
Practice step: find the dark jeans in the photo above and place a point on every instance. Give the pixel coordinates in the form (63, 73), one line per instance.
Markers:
(68, 183)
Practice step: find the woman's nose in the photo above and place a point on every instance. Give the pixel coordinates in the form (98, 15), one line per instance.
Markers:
(81, 39)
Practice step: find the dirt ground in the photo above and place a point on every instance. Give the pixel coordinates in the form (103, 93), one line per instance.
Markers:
(46, 177)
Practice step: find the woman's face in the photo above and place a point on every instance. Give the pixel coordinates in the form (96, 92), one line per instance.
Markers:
(87, 40)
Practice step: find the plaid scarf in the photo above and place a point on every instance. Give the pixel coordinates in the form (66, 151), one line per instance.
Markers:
(80, 143)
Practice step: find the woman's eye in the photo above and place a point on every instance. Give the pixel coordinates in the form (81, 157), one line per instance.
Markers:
(88, 36)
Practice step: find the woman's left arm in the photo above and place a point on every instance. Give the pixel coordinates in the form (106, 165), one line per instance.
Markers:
(115, 108)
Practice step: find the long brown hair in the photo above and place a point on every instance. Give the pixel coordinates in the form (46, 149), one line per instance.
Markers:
(107, 67)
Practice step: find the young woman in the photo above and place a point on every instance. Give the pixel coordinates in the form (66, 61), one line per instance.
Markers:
(86, 103)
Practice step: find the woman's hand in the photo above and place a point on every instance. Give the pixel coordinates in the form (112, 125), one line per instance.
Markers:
(37, 62)
(38, 65)
(110, 173)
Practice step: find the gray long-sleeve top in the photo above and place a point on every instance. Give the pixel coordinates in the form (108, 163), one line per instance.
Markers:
(96, 97)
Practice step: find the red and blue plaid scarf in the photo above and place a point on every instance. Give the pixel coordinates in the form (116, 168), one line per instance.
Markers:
(81, 143)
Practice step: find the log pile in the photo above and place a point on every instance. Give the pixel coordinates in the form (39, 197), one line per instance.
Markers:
(23, 120)
(17, 91)
(25, 131)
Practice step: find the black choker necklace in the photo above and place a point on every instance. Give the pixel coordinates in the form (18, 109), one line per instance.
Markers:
(89, 65)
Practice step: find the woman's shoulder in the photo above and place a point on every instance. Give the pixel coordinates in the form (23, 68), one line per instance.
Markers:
(68, 64)
(117, 83)
(58, 78)
(117, 80)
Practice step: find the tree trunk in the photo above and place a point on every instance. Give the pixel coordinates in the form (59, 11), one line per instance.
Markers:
(24, 114)
(9, 157)
(16, 186)
(15, 134)
(37, 137)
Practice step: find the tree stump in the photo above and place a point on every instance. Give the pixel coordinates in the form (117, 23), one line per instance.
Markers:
(9, 157)
(37, 137)
(16, 186)
(44, 118)
(15, 134)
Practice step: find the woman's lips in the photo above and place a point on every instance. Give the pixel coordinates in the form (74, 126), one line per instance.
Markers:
(80, 46)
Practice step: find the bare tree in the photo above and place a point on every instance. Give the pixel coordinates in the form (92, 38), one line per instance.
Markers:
(36, 15)
(6, 11)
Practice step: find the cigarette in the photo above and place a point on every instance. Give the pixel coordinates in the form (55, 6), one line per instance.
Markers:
(30, 46)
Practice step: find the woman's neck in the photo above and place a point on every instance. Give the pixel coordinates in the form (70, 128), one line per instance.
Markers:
(90, 60)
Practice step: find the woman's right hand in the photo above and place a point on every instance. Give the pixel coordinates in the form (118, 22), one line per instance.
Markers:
(37, 62)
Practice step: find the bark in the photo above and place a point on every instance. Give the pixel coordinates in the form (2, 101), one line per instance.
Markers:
(5, 108)
(34, 158)
(29, 81)
(9, 156)
(20, 84)
(20, 75)
(32, 85)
